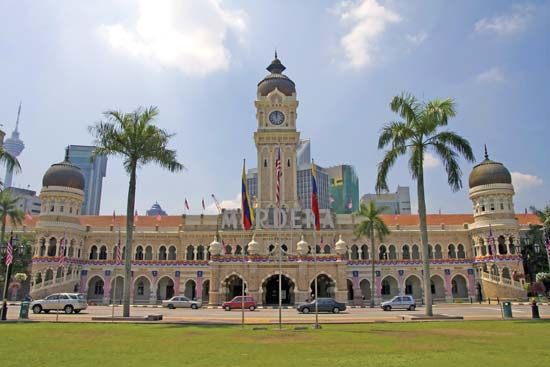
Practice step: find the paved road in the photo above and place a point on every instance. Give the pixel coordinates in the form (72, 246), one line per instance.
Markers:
(270, 316)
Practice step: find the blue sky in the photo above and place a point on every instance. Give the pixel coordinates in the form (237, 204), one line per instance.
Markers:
(199, 62)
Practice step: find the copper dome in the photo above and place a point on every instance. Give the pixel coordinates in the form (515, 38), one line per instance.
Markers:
(489, 172)
(64, 174)
(276, 79)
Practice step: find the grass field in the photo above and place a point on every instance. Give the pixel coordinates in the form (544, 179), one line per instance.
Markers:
(474, 343)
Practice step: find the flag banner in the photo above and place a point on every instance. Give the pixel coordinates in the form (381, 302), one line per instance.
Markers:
(119, 252)
(314, 197)
(247, 212)
(278, 174)
(62, 246)
(28, 215)
(9, 252)
(186, 203)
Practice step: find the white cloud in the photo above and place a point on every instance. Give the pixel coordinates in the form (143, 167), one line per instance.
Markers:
(507, 24)
(187, 34)
(226, 204)
(368, 20)
(493, 75)
(524, 181)
(430, 160)
(416, 39)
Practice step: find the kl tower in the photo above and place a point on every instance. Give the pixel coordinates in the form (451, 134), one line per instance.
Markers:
(13, 146)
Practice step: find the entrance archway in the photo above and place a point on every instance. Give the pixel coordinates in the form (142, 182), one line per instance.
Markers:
(142, 288)
(117, 287)
(459, 287)
(349, 284)
(437, 288)
(95, 289)
(190, 290)
(326, 287)
(232, 286)
(165, 289)
(270, 289)
(413, 287)
(365, 289)
(389, 287)
(205, 291)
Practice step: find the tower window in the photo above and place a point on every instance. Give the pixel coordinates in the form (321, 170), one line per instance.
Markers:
(265, 162)
(288, 163)
(483, 208)
(61, 208)
(51, 208)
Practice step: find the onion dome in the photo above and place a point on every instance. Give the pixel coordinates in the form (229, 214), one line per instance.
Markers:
(302, 247)
(276, 79)
(489, 172)
(64, 174)
(215, 248)
(341, 247)
(254, 247)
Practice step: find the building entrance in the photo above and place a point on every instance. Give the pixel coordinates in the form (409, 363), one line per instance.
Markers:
(271, 290)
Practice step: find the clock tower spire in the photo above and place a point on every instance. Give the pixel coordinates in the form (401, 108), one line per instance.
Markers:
(276, 106)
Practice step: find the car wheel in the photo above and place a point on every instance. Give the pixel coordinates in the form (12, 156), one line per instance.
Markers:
(335, 310)
(227, 308)
(252, 308)
(37, 309)
(387, 308)
(412, 307)
(305, 310)
(68, 309)
(171, 306)
(194, 306)
(77, 311)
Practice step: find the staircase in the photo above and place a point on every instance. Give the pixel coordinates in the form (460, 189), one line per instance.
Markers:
(495, 286)
(45, 288)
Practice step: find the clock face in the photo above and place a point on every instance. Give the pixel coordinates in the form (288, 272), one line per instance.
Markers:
(276, 117)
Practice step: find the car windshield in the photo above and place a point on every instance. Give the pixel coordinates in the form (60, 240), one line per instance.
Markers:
(81, 297)
(396, 299)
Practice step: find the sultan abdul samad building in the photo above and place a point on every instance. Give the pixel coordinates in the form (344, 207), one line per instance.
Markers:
(182, 255)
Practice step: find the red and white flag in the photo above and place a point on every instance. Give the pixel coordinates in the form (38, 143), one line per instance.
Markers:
(186, 204)
(118, 258)
(9, 251)
(28, 215)
(158, 217)
(278, 174)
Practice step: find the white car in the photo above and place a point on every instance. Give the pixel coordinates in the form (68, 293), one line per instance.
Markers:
(68, 302)
(399, 302)
(181, 302)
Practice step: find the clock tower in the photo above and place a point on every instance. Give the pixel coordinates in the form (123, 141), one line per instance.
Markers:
(276, 106)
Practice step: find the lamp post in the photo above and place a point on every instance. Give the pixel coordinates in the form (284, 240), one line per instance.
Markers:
(18, 249)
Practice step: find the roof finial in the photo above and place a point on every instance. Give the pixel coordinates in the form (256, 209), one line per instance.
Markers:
(67, 154)
(275, 52)
(486, 155)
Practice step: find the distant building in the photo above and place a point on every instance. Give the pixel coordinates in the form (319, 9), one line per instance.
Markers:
(93, 171)
(343, 189)
(398, 202)
(14, 146)
(27, 201)
(155, 210)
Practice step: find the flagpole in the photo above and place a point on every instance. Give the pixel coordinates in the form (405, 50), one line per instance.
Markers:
(114, 273)
(313, 174)
(8, 276)
(278, 234)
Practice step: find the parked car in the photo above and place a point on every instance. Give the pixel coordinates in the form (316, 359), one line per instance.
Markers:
(237, 303)
(399, 302)
(181, 302)
(68, 302)
(323, 305)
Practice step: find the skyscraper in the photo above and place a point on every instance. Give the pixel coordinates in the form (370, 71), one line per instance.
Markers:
(94, 171)
(398, 202)
(14, 146)
(344, 189)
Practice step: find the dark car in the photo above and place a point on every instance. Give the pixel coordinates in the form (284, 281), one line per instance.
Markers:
(324, 305)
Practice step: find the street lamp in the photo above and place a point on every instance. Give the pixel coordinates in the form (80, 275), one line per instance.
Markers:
(18, 249)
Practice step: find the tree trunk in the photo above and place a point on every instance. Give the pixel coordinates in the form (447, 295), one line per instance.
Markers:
(372, 287)
(130, 208)
(424, 239)
(3, 231)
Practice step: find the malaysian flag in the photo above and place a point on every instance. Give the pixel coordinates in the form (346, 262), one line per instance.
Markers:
(278, 173)
(62, 245)
(118, 258)
(9, 251)
(491, 242)
(28, 215)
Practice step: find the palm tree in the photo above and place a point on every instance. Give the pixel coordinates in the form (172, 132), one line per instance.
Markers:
(8, 208)
(414, 136)
(135, 138)
(10, 161)
(372, 226)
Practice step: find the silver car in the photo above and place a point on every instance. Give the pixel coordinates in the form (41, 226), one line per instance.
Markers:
(181, 302)
(67, 302)
(399, 302)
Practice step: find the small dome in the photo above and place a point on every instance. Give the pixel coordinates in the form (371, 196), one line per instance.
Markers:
(64, 174)
(489, 172)
(276, 79)
(215, 248)
(302, 247)
(341, 247)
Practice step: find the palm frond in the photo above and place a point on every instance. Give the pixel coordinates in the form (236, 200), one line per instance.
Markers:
(449, 159)
(460, 144)
(406, 106)
(384, 167)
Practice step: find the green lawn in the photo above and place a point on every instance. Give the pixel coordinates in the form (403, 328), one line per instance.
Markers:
(472, 343)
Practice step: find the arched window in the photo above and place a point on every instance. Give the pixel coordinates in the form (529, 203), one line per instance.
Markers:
(228, 249)
(406, 252)
(354, 252)
(139, 253)
(42, 243)
(326, 249)
(189, 253)
(415, 252)
(461, 253)
(451, 254)
(382, 254)
(200, 253)
(162, 253)
(238, 250)
(502, 245)
(52, 247)
(148, 253)
(430, 252)
(103, 253)
(364, 252)
(438, 254)
(93, 252)
(172, 253)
